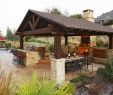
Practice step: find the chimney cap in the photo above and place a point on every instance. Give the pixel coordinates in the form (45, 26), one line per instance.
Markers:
(87, 10)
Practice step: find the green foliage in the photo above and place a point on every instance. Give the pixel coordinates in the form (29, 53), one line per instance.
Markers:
(1, 33)
(8, 45)
(54, 11)
(43, 86)
(36, 40)
(10, 35)
(80, 78)
(77, 16)
(27, 38)
(110, 22)
(107, 72)
(51, 47)
(101, 43)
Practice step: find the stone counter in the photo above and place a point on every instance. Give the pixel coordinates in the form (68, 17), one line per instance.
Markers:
(26, 57)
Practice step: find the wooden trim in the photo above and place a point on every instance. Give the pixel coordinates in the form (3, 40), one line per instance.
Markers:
(21, 42)
(36, 22)
(66, 40)
(57, 47)
(57, 44)
(36, 32)
(31, 25)
(110, 41)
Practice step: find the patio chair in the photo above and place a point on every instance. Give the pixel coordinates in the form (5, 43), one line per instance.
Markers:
(83, 63)
(76, 66)
(90, 61)
(68, 66)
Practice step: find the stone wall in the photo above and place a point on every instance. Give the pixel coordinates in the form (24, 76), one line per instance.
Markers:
(32, 58)
(26, 58)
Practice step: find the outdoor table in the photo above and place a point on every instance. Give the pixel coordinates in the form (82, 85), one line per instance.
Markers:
(72, 63)
(74, 58)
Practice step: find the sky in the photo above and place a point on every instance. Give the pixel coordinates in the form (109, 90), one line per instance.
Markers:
(12, 12)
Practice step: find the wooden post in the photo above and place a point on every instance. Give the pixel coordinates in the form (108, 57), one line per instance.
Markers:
(57, 47)
(21, 42)
(110, 42)
(66, 40)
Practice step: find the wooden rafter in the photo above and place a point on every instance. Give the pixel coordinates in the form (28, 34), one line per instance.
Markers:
(36, 22)
(33, 22)
(31, 25)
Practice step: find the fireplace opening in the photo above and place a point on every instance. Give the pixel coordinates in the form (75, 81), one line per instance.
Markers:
(85, 44)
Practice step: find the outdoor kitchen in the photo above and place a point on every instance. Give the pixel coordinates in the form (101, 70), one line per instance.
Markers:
(31, 55)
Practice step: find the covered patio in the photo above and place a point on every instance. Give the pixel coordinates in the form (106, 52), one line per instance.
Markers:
(43, 24)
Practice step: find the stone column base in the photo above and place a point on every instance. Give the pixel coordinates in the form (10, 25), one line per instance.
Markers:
(58, 70)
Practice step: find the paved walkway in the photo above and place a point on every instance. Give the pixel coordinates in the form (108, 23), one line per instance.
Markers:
(6, 61)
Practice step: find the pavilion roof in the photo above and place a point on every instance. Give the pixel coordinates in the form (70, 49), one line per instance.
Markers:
(67, 22)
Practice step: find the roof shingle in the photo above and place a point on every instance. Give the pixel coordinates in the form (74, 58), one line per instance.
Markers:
(70, 22)
(74, 22)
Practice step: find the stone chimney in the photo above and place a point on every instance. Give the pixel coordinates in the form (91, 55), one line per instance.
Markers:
(88, 15)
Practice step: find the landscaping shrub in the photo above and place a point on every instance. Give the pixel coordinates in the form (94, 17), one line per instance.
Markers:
(51, 47)
(43, 86)
(8, 45)
(5, 81)
(80, 78)
(107, 72)
(102, 43)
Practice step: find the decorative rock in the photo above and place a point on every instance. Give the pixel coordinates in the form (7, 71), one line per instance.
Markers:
(107, 89)
(83, 91)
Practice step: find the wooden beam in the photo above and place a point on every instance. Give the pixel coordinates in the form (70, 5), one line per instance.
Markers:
(66, 40)
(110, 41)
(57, 47)
(57, 43)
(31, 25)
(79, 32)
(33, 20)
(36, 32)
(21, 42)
(36, 22)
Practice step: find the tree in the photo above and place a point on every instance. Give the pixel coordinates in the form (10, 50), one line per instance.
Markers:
(109, 22)
(77, 16)
(10, 35)
(0, 33)
(54, 11)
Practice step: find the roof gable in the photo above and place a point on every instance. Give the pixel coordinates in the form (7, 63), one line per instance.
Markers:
(67, 22)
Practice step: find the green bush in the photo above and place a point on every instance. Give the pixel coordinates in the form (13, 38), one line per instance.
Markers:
(8, 45)
(80, 78)
(43, 86)
(51, 47)
(107, 72)
(100, 43)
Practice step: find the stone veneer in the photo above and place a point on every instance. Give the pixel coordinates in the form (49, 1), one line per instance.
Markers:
(58, 70)
(26, 57)
(32, 57)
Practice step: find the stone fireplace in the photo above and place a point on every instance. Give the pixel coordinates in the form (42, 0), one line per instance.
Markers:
(85, 44)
